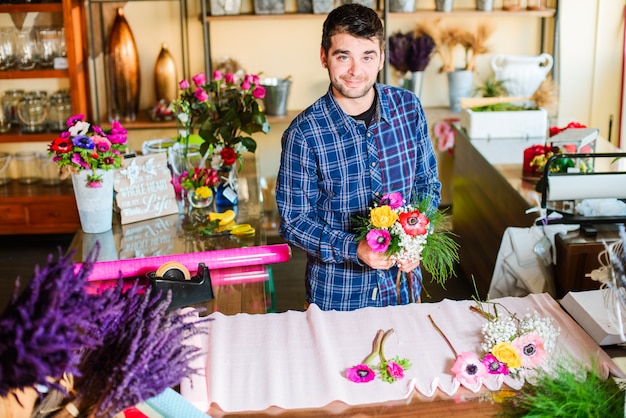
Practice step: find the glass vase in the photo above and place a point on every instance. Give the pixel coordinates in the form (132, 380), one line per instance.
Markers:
(226, 192)
(198, 200)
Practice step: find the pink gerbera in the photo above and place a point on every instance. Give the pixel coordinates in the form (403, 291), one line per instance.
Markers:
(530, 346)
(378, 240)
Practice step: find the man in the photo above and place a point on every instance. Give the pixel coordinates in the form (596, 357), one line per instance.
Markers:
(357, 142)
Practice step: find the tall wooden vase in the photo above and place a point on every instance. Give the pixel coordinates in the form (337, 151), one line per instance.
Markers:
(165, 76)
(123, 70)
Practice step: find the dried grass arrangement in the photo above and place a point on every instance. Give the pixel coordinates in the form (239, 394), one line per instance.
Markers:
(448, 39)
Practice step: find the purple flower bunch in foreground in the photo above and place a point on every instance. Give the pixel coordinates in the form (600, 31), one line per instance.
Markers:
(121, 347)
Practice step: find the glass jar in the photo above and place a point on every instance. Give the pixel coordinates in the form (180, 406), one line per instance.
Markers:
(59, 111)
(32, 111)
(11, 98)
(27, 167)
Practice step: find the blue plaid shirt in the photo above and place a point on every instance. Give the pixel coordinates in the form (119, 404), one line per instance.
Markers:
(331, 168)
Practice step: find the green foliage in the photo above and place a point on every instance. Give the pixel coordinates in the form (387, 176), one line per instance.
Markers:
(502, 107)
(491, 88)
(567, 392)
(383, 371)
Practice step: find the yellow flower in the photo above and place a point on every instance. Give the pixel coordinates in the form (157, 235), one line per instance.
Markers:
(203, 192)
(507, 354)
(383, 217)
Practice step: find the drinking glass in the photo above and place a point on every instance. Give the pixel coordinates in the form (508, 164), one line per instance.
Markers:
(26, 47)
(7, 48)
(27, 167)
(59, 110)
(32, 111)
(48, 46)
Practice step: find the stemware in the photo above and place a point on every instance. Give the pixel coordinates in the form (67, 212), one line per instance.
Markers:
(26, 47)
(7, 48)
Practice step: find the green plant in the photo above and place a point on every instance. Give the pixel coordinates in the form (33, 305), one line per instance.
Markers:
(491, 88)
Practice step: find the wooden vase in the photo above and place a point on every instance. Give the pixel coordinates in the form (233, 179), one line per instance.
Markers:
(165, 77)
(123, 66)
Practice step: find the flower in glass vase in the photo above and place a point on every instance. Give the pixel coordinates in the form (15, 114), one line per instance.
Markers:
(199, 183)
(84, 146)
(225, 112)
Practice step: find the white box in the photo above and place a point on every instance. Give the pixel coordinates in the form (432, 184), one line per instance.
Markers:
(505, 124)
(590, 312)
(505, 150)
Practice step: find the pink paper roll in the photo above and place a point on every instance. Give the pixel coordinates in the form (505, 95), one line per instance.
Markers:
(216, 259)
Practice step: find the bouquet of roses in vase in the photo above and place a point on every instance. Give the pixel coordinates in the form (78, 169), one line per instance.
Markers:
(225, 112)
(410, 232)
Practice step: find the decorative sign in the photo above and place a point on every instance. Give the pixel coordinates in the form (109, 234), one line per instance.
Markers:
(149, 238)
(144, 188)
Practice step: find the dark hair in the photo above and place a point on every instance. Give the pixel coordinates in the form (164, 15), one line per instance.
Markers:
(353, 19)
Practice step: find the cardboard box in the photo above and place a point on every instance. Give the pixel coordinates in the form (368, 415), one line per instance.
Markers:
(589, 310)
(506, 124)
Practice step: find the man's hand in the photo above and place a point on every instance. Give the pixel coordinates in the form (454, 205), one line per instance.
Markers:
(377, 261)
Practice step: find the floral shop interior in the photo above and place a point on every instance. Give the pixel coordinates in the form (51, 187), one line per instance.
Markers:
(141, 145)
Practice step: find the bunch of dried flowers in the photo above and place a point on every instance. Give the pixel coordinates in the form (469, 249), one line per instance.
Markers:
(410, 52)
(95, 354)
(448, 39)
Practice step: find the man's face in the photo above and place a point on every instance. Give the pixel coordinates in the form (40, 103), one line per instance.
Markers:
(353, 64)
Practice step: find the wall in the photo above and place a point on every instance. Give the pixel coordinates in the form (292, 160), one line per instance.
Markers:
(590, 55)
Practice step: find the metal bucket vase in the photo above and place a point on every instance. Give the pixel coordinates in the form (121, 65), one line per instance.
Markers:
(413, 82)
(459, 86)
(402, 6)
(443, 5)
(484, 5)
(276, 95)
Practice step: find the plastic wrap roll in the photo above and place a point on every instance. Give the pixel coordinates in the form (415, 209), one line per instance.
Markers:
(217, 259)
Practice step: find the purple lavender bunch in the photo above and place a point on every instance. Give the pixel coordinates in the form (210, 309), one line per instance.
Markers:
(143, 353)
(44, 329)
(407, 53)
(420, 52)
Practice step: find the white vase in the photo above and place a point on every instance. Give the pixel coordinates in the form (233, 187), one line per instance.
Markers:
(521, 75)
(95, 205)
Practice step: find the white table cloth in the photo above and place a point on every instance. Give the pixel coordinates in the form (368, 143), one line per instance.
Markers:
(298, 359)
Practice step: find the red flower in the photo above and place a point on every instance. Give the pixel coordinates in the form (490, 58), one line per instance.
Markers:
(229, 156)
(61, 145)
(413, 223)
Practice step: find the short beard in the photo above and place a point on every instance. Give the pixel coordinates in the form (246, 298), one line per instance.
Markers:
(349, 93)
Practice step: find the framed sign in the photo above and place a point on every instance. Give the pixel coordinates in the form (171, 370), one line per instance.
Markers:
(144, 190)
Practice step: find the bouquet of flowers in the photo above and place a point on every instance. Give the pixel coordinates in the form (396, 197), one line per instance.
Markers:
(88, 147)
(408, 52)
(225, 111)
(510, 344)
(200, 181)
(410, 232)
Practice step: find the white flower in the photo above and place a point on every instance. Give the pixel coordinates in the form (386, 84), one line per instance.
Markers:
(79, 128)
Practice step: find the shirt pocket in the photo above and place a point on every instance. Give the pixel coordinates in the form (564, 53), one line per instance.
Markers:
(342, 186)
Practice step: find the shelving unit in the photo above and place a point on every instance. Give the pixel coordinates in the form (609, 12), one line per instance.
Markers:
(549, 13)
(73, 18)
(95, 20)
(39, 209)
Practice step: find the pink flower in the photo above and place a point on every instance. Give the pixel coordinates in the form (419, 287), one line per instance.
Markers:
(468, 368)
(259, 92)
(94, 184)
(71, 121)
(395, 370)
(184, 84)
(229, 78)
(199, 79)
(78, 160)
(245, 85)
(378, 240)
(442, 128)
(414, 223)
(200, 94)
(530, 347)
(393, 200)
(102, 143)
(445, 142)
(494, 366)
(217, 75)
(361, 373)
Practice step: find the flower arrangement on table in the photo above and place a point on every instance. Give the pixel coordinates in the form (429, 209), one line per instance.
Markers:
(387, 370)
(511, 345)
(200, 182)
(84, 146)
(410, 232)
(225, 112)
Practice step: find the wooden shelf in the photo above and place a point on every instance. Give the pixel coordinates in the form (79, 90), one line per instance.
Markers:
(419, 13)
(36, 72)
(15, 135)
(32, 8)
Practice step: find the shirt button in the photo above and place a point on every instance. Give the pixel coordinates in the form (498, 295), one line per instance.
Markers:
(373, 164)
